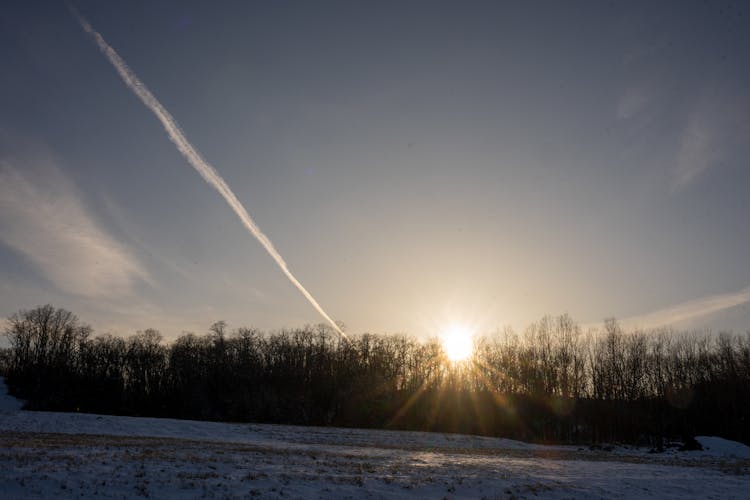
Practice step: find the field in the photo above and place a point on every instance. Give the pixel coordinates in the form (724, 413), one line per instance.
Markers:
(44, 455)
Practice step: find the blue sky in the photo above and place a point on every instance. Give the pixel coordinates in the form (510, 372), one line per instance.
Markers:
(415, 163)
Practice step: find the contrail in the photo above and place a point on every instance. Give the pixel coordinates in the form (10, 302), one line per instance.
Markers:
(193, 157)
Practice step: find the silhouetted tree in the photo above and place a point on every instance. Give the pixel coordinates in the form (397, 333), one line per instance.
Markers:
(553, 383)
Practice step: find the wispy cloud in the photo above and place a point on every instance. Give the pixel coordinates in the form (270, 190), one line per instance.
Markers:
(698, 150)
(633, 101)
(43, 218)
(690, 310)
(717, 127)
(194, 158)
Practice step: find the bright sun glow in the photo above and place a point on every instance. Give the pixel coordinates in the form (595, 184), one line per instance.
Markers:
(458, 343)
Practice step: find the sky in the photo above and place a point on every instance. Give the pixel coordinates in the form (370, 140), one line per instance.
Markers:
(415, 164)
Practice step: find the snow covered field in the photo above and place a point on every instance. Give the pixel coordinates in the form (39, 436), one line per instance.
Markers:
(44, 455)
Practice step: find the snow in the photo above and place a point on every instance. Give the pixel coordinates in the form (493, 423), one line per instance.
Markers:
(46, 454)
(719, 447)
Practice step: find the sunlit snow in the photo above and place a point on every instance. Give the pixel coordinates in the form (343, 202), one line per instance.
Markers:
(45, 454)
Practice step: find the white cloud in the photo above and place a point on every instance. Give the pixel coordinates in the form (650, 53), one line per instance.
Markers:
(690, 310)
(43, 219)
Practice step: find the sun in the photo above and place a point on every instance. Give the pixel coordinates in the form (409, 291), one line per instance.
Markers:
(458, 342)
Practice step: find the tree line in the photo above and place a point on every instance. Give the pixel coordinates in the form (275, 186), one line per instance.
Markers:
(551, 383)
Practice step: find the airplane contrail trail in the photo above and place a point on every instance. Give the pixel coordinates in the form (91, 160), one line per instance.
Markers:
(193, 157)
